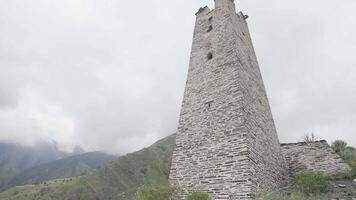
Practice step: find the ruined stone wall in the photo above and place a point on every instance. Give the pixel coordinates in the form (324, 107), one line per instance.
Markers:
(316, 156)
(226, 143)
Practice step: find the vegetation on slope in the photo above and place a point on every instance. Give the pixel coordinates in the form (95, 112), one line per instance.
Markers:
(307, 185)
(46, 190)
(311, 183)
(347, 153)
(15, 158)
(155, 192)
(116, 181)
(199, 196)
(62, 168)
(313, 186)
(121, 179)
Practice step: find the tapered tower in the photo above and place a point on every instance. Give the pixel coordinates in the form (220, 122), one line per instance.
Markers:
(226, 143)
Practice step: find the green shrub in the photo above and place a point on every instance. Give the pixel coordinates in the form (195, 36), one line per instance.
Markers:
(339, 145)
(311, 183)
(154, 193)
(199, 196)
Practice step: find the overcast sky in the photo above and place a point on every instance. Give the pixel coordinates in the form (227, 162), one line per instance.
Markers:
(110, 74)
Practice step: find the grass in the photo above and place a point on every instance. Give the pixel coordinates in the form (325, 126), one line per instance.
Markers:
(199, 196)
(157, 192)
(347, 153)
(39, 191)
(311, 183)
(293, 196)
(306, 186)
(349, 156)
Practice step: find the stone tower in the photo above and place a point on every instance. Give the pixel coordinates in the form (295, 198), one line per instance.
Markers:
(226, 143)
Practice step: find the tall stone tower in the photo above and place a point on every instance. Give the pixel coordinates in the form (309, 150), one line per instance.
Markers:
(226, 143)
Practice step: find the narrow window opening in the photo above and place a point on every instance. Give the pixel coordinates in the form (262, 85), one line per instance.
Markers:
(210, 29)
(209, 104)
(209, 56)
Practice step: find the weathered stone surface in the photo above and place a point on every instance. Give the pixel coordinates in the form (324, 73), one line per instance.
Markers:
(347, 191)
(316, 156)
(226, 143)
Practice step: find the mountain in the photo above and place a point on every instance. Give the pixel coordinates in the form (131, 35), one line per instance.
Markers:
(116, 181)
(15, 158)
(62, 168)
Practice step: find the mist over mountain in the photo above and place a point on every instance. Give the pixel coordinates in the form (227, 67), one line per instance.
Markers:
(15, 158)
(21, 164)
(62, 168)
(117, 180)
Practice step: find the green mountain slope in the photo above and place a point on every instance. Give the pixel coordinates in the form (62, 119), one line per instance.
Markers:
(14, 158)
(112, 182)
(62, 168)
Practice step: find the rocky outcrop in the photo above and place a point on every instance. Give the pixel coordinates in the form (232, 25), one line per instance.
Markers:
(315, 156)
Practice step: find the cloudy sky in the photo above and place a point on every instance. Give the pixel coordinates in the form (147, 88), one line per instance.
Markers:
(110, 74)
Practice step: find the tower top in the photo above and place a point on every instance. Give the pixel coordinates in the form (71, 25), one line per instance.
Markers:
(219, 4)
(206, 9)
(225, 4)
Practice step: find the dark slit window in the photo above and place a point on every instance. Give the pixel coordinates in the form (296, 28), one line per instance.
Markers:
(209, 56)
(210, 28)
(208, 105)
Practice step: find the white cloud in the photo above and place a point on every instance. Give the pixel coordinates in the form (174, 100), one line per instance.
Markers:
(110, 75)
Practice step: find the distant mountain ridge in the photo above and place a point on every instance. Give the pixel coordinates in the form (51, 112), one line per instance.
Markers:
(15, 158)
(21, 165)
(63, 168)
(118, 180)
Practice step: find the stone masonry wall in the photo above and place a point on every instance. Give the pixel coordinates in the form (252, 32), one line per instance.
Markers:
(317, 156)
(226, 142)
